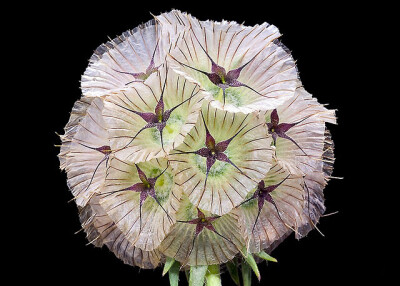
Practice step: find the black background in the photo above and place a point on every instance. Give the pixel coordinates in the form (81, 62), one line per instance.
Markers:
(327, 40)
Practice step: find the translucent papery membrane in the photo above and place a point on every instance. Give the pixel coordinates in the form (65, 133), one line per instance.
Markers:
(315, 182)
(77, 114)
(268, 79)
(308, 133)
(128, 135)
(101, 230)
(131, 52)
(207, 247)
(86, 166)
(144, 227)
(263, 229)
(226, 186)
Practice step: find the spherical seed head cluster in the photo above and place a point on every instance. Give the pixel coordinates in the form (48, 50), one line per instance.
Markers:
(195, 140)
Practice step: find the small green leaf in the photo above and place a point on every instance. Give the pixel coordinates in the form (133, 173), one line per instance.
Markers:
(174, 274)
(168, 264)
(233, 271)
(251, 262)
(246, 274)
(266, 256)
(197, 274)
(213, 278)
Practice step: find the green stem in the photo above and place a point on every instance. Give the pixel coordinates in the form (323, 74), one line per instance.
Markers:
(246, 274)
(213, 277)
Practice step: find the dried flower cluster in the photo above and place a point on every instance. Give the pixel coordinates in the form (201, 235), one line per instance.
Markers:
(194, 145)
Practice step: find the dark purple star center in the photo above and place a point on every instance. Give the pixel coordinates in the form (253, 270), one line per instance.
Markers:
(218, 75)
(277, 129)
(213, 152)
(142, 76)
(146, 188)
(263, 194)
(202, 222)
(157, 119)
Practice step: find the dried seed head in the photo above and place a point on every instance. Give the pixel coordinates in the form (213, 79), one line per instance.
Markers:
(195, 141)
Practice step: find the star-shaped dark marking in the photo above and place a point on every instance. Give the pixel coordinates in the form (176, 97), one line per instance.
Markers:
(142, 76)
(106, 150)
(213, 152)
(263, 194)
(202, 222)
(277, 129)
(146, 188)
(219, 76)
(159, 118)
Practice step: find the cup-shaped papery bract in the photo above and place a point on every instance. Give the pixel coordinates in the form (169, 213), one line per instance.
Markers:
(132, 56)
(300, 137)
(228, 182)
(77, 114)
(217, 242)
(136, 139)
(243, 68)
(88, 154)
(142, 211)
(315, 182)
(265, 226)
(101, 230)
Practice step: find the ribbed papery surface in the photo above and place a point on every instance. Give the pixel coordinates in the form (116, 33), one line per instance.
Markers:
(273, 224)
(208, 248)
(308, 134)
(85, 166)
(122, 206)
(101, 230)
(77, 114)
(124, 124)
(314, 184)
(130, 52)
(226, 186)
(272, 73)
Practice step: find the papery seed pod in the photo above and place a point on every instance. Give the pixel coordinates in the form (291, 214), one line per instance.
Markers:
(272, 209)
(87, 153)
(141, 199)
(314, 184)
(77, 114)
(297, 128)
(222, 159)
(130, 57)
(101, 230)
(148, 120)
(243, 68)
(199, 238)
